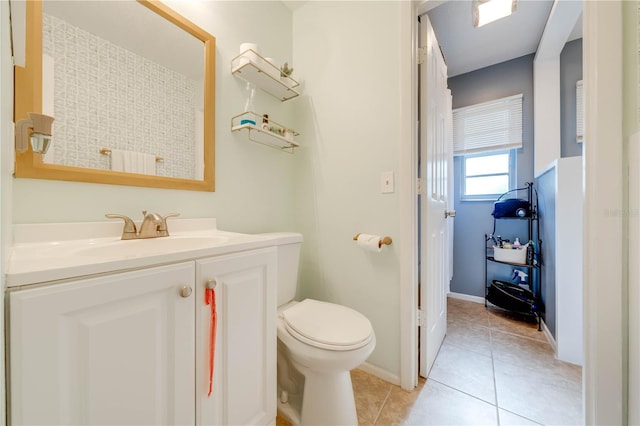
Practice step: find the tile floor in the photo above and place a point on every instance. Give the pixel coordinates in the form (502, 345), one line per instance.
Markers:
(492, 369)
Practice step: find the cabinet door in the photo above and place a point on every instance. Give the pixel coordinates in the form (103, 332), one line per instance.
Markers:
(244, 388)
(117, 349)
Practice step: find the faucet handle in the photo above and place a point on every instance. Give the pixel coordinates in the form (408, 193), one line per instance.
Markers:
(163, 230)
(129, 226)
(164, 218)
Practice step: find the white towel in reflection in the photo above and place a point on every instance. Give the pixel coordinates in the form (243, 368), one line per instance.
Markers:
(133, 162)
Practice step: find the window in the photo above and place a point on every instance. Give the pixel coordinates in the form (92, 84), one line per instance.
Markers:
(487, 175)
(488, 126)
(486, 136)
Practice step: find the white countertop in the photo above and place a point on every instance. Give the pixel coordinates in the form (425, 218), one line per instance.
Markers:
(50, 252)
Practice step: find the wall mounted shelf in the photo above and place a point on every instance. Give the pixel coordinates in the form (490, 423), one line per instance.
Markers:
(275, 136)
(252, 67)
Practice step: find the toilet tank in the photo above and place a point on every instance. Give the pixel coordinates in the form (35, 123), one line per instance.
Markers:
(288, 245)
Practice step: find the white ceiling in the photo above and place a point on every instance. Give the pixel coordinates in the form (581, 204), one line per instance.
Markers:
(466, 48)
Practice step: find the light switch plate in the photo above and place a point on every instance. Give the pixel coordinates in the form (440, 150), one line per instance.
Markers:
(386, 182)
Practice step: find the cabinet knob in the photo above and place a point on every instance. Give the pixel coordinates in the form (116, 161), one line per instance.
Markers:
(186, 291)
(211, 284)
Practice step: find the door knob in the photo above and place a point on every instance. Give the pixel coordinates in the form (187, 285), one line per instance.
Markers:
(449, 213)
(185, 291)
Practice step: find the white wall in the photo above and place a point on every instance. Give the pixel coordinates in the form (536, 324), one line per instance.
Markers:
(546, 111)
(348, 55)
(605, 372)
(254, 183)
(6, 156)
(546, 82)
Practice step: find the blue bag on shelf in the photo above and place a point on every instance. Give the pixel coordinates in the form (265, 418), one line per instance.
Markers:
(511, 207)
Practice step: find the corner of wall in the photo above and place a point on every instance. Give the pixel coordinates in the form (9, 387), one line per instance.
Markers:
(546, 99)
(6, 164)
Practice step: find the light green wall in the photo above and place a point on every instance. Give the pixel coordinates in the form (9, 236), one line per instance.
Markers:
(254, 183)
(630, 46)
(630, 126)
(348, 53)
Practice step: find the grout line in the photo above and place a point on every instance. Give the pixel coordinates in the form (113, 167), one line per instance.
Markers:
(375, 419)
(470, 322)
(461, 391)
(520, 415)
(464, 348)
(520, 335)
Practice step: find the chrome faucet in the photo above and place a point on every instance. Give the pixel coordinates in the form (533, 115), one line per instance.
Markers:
(153, 225)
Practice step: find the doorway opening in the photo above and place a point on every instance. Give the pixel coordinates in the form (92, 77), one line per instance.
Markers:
(472, 210)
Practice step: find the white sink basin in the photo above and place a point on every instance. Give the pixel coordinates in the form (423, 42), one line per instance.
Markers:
(59, 251)
(152, 246)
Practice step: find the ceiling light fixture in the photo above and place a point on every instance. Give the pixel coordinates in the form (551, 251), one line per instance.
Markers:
(486, 11)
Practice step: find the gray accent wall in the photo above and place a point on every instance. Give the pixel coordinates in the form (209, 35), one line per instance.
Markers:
(546, 184)
(570, 73)
(473, 218)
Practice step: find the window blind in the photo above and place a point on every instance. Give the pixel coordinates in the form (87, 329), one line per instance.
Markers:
(579, 112)
(489, 126)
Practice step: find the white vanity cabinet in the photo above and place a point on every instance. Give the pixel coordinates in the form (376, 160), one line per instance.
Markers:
(133, 347)
(110, 350)
(244, 387)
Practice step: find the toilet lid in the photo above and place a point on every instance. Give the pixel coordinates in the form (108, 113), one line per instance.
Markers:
(327, 325)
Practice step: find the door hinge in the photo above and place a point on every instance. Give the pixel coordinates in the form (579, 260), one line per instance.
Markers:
(422, 320)
(422, 55)
(420, 186)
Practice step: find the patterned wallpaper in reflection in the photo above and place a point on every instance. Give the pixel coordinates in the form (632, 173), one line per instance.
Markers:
(105, 96)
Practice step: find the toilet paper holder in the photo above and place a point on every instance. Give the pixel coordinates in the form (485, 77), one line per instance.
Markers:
(383, 241)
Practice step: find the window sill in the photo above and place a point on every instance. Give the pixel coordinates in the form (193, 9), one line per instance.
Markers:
(487, 199)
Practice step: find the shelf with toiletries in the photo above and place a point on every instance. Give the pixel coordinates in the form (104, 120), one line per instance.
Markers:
(516, 288)
(261, 129)
(264, 73)
(523, 265)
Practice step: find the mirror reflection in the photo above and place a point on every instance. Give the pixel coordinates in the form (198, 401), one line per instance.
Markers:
(164, 68)
(125, 87)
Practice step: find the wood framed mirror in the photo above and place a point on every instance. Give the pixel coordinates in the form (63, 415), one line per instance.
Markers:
(146, 118)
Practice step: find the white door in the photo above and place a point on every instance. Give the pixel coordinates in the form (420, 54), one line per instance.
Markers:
(112, 350)
(449, 176)
(435, 153)
(244, 375)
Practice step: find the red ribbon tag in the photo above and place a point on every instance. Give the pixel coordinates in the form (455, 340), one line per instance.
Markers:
(210, 299)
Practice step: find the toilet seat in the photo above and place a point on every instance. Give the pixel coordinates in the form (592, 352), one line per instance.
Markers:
(327, 325)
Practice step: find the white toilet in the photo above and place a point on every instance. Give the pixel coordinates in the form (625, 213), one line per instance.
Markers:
(318, 344)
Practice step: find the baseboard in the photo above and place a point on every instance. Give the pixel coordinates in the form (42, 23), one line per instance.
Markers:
(549, 337)
(466, 297)
(380, 373)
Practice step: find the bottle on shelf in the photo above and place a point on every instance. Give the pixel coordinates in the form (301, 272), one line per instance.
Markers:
(520, 277)
(516, 243)
(250, 94)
